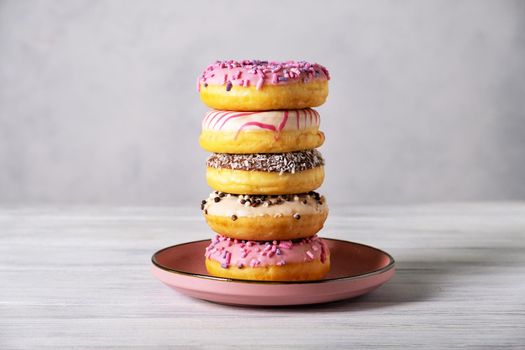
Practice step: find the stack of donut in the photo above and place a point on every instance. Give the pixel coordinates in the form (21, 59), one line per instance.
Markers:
(264, 169)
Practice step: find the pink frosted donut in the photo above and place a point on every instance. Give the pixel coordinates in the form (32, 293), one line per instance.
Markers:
(261, 132)
(304, 259)
(253, 85)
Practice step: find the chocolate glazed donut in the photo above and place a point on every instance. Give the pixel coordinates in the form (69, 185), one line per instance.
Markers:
(268, 174)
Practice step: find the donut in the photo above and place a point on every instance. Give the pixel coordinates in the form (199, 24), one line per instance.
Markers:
(301, 260)
(265, 218)
(253, 85)
(261, 132)
(265, 173)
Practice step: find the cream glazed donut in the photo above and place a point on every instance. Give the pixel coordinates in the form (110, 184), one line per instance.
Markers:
(301, 260)
(265, 173)
(253, 85)
(265, 218)
(261, 132)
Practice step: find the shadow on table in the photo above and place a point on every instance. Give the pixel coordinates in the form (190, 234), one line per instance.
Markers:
(417, 281)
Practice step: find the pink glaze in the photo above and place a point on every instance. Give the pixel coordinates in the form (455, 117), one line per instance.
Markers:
(259, 73)
(229, 251)
(277, 130)
(275, 121)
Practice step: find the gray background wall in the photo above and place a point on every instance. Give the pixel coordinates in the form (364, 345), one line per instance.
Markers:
(98, 100)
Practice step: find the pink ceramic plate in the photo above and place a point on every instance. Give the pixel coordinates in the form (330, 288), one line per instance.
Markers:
(356, 269)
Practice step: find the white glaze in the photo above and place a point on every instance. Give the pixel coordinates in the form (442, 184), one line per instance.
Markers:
(231, 205)
(276, 121)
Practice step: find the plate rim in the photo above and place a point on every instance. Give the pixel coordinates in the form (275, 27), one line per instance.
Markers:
(391, 264)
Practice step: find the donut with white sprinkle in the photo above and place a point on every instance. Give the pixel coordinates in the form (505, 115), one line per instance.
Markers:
(266, 173)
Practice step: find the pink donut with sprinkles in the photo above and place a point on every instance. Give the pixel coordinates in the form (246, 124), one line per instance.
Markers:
(253, 85)
(298, 260)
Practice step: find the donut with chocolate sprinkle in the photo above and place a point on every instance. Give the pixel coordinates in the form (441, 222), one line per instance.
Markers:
(290, 162)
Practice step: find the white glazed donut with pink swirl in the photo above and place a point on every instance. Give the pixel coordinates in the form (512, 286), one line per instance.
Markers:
(261, 132)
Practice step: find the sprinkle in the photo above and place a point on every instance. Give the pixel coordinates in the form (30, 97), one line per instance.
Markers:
(286, 244)
(280, 263)
(296, 216)
(278, 251)
(227, 260)
(310, 254)
(229, 86)
(216, 199)
(259, 84)
(234, 217)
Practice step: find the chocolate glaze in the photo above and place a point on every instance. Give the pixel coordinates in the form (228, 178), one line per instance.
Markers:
(290, 162)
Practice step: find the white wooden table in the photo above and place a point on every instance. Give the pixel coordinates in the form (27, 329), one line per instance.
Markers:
(80, 278)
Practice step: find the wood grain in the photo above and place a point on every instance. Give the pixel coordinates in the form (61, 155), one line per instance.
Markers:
(79, 278)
